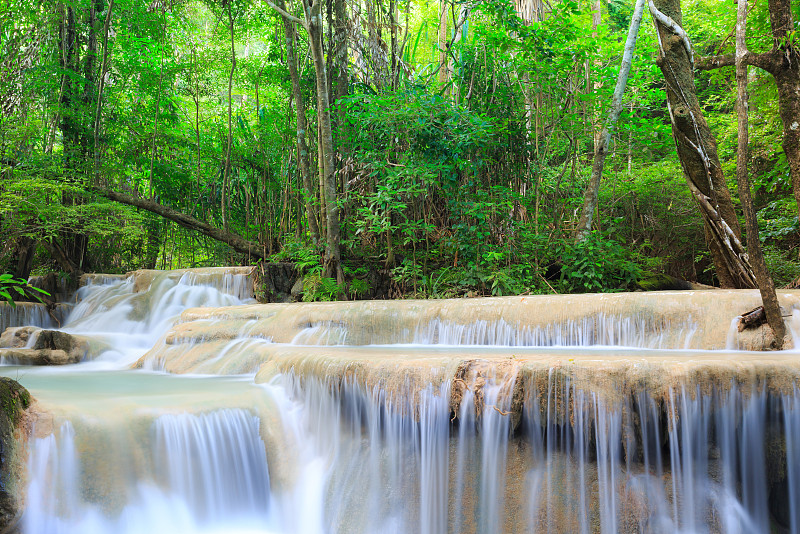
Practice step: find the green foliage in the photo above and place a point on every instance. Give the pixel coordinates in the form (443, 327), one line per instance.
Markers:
(319, 288)
(596, 264)
(463, 178)
(9, 284)
(782, 265)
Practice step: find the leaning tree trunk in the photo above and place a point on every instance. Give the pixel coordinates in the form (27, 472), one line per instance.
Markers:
(236, 242)
(697, 148)
(765, 284)
(593, 189)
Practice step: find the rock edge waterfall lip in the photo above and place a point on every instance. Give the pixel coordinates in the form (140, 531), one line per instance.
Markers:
(685, 320)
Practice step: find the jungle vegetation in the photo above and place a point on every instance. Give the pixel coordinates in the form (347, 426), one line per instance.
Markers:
(442, 146)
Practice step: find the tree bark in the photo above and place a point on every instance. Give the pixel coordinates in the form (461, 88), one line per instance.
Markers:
(25, 250)
(227, 170)
(783, 62)
(697, 148)
(785, 68)
(304, 157)
(593, 189)
(765, 284)
(101, 87)
(332, 262)
(236, 242)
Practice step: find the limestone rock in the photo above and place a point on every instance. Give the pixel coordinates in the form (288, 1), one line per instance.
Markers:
(37, 357)
(297, 289)
(29, 345)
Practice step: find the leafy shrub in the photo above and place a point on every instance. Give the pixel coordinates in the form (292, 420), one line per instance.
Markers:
(596, 264)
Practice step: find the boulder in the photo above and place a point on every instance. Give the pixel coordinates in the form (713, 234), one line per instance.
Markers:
(297, 290)
(37, 357)
(30, 345)
(14, 400)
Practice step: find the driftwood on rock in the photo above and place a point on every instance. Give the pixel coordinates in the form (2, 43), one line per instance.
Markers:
(752, 319)
(236, 242)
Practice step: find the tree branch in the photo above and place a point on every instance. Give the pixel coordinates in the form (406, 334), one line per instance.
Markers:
(236, 242)
(283, 13)
(674, 28)
(715, 62)
(769, 61)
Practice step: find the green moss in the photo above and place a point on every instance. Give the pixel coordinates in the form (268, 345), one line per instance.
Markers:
(15, 399)
(662, 282)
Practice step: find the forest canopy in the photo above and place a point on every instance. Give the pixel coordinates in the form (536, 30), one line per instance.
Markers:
(388, 148)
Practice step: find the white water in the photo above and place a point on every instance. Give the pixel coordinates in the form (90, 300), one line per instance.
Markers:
(209, 474)
(131, 322)
(135, 452)
(24, 314)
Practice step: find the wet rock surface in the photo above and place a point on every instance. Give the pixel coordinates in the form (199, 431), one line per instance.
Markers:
(14, 400)
(29, 345)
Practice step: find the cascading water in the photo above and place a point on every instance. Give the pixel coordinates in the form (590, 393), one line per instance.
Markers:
(449, 417)
(201, 473)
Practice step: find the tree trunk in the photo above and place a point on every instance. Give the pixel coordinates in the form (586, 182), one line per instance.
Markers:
(786, 71)
(593, 189)
(304, 157)
(63, 259)
(332, 264)
(341, 79)
(69, 130)
(227, 170)
(312, 11)
(101, 87)
(158, 109)
(236, 242)
(444, 72)
(697, 148)
(393, 43)
(765, 284)
(26, 249)
(783, 62)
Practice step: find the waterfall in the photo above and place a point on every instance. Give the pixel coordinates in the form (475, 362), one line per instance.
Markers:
(200, 473)
(692, 461)
(27, 314)
(589, 414)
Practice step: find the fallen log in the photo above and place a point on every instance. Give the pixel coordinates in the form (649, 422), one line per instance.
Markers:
(236, 242)
(752, 319)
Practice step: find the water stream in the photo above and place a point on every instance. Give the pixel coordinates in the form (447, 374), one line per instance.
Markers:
(404, 418)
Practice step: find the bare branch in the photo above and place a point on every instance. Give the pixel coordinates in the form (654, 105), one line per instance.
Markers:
(283, 13)
(674, 28)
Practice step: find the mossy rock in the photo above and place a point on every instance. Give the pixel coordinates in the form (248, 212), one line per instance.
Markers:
(663, 282)
(15, 399)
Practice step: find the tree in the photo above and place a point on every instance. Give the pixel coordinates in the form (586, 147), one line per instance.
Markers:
(303, 155)
(697, 148)
(783, 63)
(312, 22)
(765, 284)
(601, 151)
